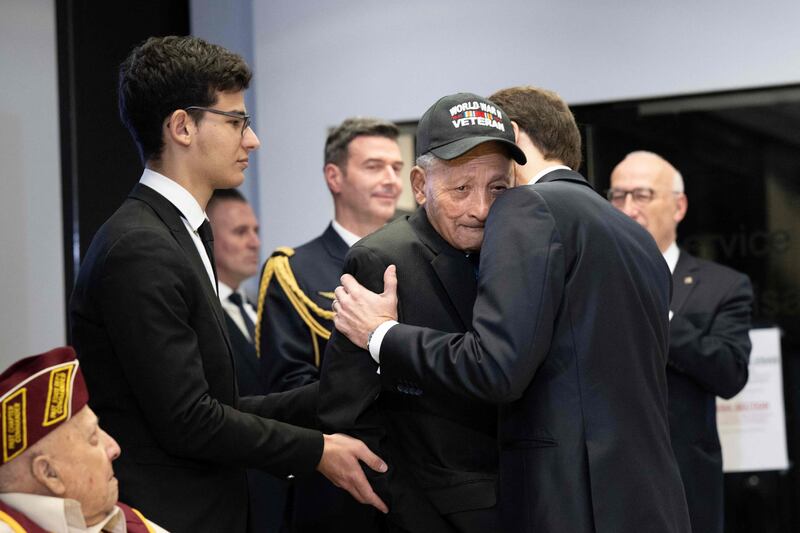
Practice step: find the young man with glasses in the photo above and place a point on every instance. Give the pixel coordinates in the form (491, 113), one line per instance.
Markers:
(709, 346)
(147, 322)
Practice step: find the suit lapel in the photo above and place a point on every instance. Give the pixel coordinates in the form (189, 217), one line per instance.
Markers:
(453, 269)
(171, 217)
(684, 280)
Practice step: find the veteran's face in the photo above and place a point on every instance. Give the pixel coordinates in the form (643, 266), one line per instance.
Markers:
(457, 194)
(82, 454)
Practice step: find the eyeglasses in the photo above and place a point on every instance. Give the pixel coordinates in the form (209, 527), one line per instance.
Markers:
(640, 195)
(244, 117)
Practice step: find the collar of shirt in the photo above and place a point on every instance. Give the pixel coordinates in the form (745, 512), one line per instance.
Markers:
(177, 196)
(224, 292)
(347, 236)
(671, 255)
(60, 515)
(539, 175)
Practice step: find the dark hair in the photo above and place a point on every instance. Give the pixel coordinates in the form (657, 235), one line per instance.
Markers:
(164, 74)
(338, 141)
(220, 195)
(547, 120)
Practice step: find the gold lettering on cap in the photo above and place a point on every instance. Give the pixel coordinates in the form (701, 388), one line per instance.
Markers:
(15, 429)
(58, 395)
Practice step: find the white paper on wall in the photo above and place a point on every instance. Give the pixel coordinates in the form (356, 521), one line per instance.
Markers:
(752, 428)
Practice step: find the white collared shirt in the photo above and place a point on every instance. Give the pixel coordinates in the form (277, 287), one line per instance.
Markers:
(671, 255)
(539, 175)
(60, 515)
(233, 310)
(193, 214)
(347, 236)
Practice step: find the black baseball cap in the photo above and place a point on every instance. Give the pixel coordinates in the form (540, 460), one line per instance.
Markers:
(456, 124)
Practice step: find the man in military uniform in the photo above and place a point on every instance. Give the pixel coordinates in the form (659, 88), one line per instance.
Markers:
(56, 472)
(362, 166)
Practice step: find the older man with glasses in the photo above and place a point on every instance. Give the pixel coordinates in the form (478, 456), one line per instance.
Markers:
(709, 346)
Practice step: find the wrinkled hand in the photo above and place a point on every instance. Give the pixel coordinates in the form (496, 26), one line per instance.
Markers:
(340, 464)
(359, 311)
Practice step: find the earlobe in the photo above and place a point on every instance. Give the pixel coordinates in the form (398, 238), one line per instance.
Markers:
(516, 131)
(180, 127)
(46, 474)
(681, 205)
(333, 177)
(418, 184)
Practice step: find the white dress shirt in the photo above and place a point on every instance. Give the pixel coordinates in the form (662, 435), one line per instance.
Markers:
(233, 310)
(347, 236)
(60, 515)
(539, 175)
(193, 214)
(671, 255)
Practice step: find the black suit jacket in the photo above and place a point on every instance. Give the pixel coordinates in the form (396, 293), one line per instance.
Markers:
(441, 450)
(709, 350)
(150, 334)
(570, 337)
(267, 492)
(287, 353)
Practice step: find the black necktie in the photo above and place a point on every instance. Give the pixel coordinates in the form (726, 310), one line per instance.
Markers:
(236, 298)
(207, 236)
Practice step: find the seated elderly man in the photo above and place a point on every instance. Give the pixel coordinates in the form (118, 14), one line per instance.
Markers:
(56, 472)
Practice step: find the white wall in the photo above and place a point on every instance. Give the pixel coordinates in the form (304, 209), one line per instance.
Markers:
(31, 263)
(319, 61)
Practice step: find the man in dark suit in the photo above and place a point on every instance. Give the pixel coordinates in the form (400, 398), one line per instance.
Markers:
(362, 166)
(709, 345)
(569, 338)
(443, 450)
(146, 318)
(236, 249)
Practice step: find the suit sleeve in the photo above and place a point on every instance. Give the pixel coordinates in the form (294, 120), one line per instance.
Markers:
(297, 406)
(147, 290)
(512, 329)
(349, 383)
(716, 355)
(287, 354)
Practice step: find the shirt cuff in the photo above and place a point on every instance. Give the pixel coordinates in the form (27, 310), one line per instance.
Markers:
(670, 316)
(376, 338)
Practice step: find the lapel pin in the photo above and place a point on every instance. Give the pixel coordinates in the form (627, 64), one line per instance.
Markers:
(688, 280)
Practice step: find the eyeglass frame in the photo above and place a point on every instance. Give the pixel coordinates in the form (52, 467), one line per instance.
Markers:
(244, 117)
(632, 193)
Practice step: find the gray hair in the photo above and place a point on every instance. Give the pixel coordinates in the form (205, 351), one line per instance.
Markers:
(426, 161)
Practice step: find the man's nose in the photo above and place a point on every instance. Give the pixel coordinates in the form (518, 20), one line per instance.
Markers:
(255, 240)
(391, 178)
(112, 448)
(482, 201)
(250, 140)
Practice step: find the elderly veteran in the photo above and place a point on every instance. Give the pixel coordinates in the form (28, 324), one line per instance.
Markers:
(56, 472)
(443, 447)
